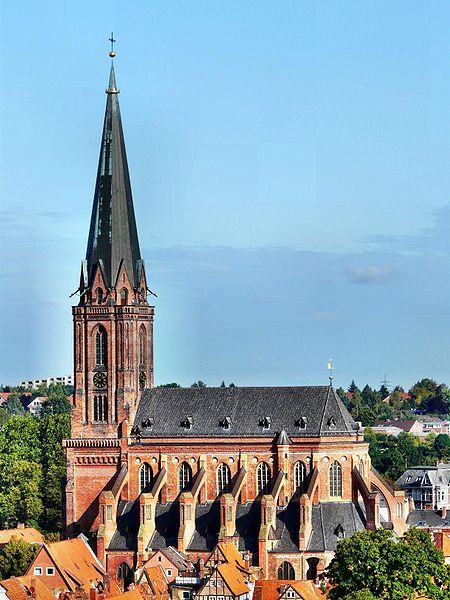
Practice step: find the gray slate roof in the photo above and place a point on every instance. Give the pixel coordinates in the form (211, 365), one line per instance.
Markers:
(326, 518)
(253, 411)
(425, 476)
(207, 525)
(427, 518)
(125, 536)
(113, 233)
(167, 523)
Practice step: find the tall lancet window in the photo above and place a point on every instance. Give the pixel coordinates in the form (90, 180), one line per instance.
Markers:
(101, 347)
(335, 479)
(142, 346)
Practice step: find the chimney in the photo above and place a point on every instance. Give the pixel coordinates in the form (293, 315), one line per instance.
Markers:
(20, 526)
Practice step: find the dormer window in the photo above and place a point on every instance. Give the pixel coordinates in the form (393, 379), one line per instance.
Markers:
(187, 423)
(148, 423)
(331, 423)
(265, 423)
(339, 532)
(301, 423)
(225, 423)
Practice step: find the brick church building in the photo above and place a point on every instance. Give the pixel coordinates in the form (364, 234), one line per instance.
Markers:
(283, 472)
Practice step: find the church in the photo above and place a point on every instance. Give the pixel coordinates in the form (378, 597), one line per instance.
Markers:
(281, 472)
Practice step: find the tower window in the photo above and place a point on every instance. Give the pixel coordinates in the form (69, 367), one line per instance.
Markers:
(300, 476)
(223, 478)
(142, 346)
(262, 478)
(100, 408)
(101, 347)
(99, 295)
(335, 479)
(124, 296)
(145, 478)
(184, 477)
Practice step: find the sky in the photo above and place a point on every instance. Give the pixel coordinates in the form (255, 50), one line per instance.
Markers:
(290, 172)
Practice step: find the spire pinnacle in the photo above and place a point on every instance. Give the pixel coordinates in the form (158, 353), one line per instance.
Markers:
(112, 86)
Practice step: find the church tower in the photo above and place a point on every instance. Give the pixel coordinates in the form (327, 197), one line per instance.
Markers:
(113, 322)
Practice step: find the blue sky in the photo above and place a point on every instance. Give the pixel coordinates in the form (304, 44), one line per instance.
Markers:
(290, 171)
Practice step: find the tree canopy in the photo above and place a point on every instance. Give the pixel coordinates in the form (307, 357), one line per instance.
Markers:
(16, 557)
(374, 564)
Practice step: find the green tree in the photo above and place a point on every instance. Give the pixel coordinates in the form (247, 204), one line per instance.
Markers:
(198, 384)
(423, 389)
(442, 446)
(56, 405)
(170, 385)
(13, 405)
(16, 557)
(374, 562)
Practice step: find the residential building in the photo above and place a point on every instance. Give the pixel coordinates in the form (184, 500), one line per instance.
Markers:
(280, 472)
(34, 406)
(67, 566)
(24, 588)
(279, 589)
(35, 383)
(172, 562)
(27, 534)
(420, 426)
(427, 486)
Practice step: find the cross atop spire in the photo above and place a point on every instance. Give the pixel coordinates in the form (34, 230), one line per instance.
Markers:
(113, 41)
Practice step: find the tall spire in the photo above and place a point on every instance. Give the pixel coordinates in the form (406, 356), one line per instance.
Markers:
(113, 236)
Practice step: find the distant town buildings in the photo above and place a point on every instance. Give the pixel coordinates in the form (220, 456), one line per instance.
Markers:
(35, 383)
(421, 426)
(427, 486)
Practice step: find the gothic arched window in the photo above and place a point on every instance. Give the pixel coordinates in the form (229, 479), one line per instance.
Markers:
(286, 571)
(262, 477)
(223, 478)
(145, 478)
(142, 346)
(101, 347)
(184, 477)
(124, 296)
(335, 479)
(99, 295)
(300, 476)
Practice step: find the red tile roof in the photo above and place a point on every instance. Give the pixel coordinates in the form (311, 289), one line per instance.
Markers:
(29, 534)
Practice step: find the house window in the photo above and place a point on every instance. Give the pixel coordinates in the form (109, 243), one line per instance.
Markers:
(286, 571)
(101, 347)
(184, 477)
(37, 571)
(262, 478)
(290, 594)
(50, 571)
(335, 479)
(186, 595)
(300, 476)
(145, 478)
(169, 572)
(223, 478)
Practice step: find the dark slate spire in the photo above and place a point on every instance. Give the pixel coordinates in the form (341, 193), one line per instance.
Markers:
(113, 234)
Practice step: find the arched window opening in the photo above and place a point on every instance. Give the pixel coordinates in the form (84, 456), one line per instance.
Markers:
(313, 563)
(124, 575)
(361, 467)
(145, 478)
(100, 408)
(142, 346)
(124, 296)
(262, 477)
(300, 477)
(286, 571)
(223, 479)
(99, 295)
(101, 347)
(184, 477)
(335, 479)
